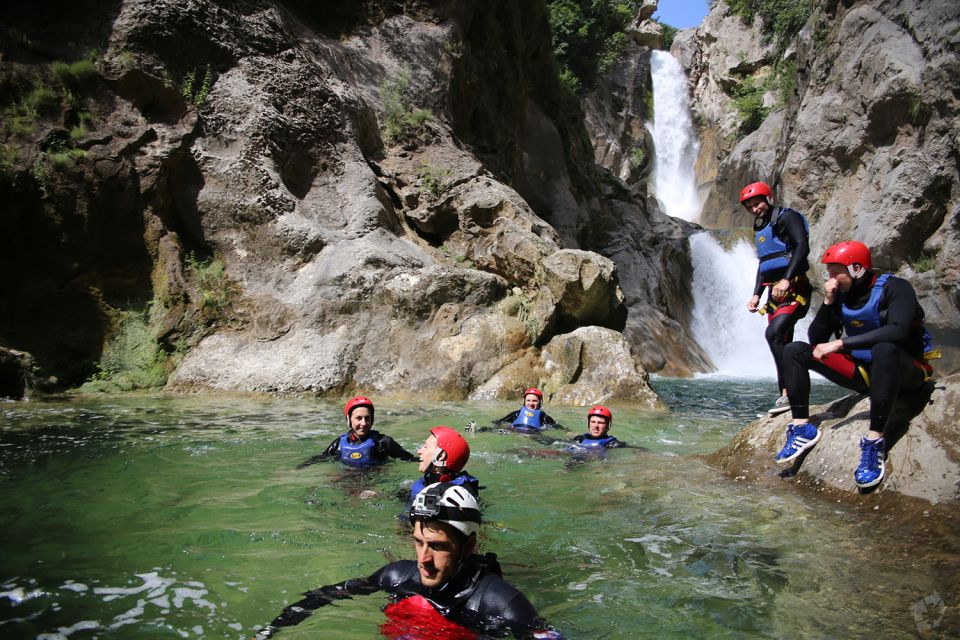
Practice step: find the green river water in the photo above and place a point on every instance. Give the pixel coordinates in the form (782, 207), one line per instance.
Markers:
(168, 516)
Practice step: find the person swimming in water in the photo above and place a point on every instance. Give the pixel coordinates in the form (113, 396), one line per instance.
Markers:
(442, 458)
(448, 586)
(599, 421)
(530, 418)
(360, 445)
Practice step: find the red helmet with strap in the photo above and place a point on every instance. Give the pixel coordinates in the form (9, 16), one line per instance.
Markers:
(600, 410)
(357, 401)
(756, 189)
(452, 449)
(535, 392)
(848, 254)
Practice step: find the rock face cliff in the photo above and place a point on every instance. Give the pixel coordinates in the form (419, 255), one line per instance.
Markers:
(393, 197)
(862, 137)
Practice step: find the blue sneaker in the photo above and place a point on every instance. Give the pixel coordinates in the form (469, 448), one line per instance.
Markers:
(799, 438)
(873, 465)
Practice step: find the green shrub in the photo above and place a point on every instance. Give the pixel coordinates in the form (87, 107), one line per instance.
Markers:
(75, 75)
(748, 98)
(924, 262)
(638, 156)
(669, 33)
(41, 175)
(401, 120)
(588, 36)
(66, 158)
(782, 19)
(214, 287)
(8, 156)
(194, 92)
(41, 99)
(131, 359)
(435, 180)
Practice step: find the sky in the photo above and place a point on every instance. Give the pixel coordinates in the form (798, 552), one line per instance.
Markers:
(682, 14)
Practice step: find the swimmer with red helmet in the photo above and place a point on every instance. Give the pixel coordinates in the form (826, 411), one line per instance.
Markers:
(599, 421)
(361, 445)
(443, 456)
(530, 418)
(449, 591)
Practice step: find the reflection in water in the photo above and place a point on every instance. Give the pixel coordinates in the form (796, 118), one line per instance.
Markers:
(185, 517)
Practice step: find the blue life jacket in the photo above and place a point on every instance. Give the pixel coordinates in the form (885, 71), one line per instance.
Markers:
(358, 454)
(772, 251)
(528, 420)
(867, 318)
(463, 479)
(587, 442)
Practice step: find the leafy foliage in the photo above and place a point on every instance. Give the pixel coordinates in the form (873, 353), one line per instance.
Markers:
(435, 180)
(195, 92)
(748, 98)
(588, 37)
(401, 119)
(669, 33)
(216, 292)
(782, 19)
(132, 359)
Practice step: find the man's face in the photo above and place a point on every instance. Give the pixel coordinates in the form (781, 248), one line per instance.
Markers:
(361, 421)
(840, 274)
(757, 205)
(531, 401)
(427, 452)
(439, 552)
(598, 426)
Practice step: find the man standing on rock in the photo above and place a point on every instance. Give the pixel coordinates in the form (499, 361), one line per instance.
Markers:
(782, 238)
(882, 352)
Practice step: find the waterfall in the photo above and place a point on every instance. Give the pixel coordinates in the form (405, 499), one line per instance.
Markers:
(722, 279)
(722, 284)
(675, 144)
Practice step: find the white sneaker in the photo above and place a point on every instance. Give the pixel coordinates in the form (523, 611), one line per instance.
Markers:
(782, 404)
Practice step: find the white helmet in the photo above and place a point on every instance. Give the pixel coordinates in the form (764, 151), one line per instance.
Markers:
(450, 503)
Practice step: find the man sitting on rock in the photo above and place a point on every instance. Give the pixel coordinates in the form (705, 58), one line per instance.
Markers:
(448, 591)
(882, 352)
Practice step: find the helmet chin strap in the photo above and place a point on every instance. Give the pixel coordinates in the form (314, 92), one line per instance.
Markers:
(856, 270)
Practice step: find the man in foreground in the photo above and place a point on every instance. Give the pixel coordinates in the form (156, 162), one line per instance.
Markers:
(449, 587)
(882, 352)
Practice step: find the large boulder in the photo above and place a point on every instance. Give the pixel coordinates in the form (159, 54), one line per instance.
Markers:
(924, 463)
(588, 366)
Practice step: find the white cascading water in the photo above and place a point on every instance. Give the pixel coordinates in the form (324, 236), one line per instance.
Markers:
(722, 280)
(675, 144)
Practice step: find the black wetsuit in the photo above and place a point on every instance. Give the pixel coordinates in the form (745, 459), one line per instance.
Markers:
(477, 597)
(781, 320)
(385, 447)
(896, 347)
(545, 420)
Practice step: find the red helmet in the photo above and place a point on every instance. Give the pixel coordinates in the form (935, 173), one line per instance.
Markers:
(600, 410)
(756, 189)
(535, 392)
(848, 254)
(452, 449)
(357, 401)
